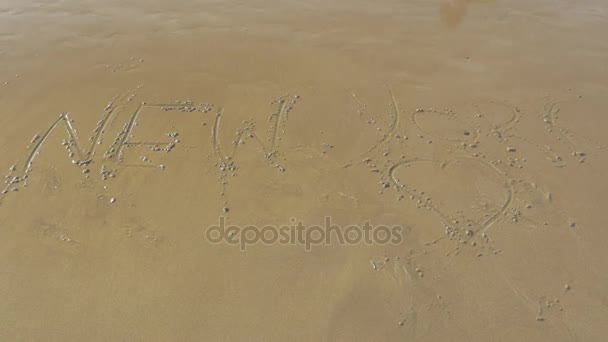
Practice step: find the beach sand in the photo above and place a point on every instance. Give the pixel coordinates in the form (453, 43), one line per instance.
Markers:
(131, 127)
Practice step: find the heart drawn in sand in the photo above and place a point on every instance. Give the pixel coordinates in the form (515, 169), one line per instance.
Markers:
(463, 190)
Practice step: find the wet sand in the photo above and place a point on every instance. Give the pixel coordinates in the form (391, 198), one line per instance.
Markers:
(128, 129)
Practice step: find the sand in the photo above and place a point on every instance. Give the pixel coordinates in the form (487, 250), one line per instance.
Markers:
(131, 127)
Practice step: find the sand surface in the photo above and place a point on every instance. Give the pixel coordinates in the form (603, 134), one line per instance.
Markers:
(130, 127)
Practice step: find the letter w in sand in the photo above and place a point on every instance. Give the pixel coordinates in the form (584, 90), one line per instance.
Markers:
(277, 120)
